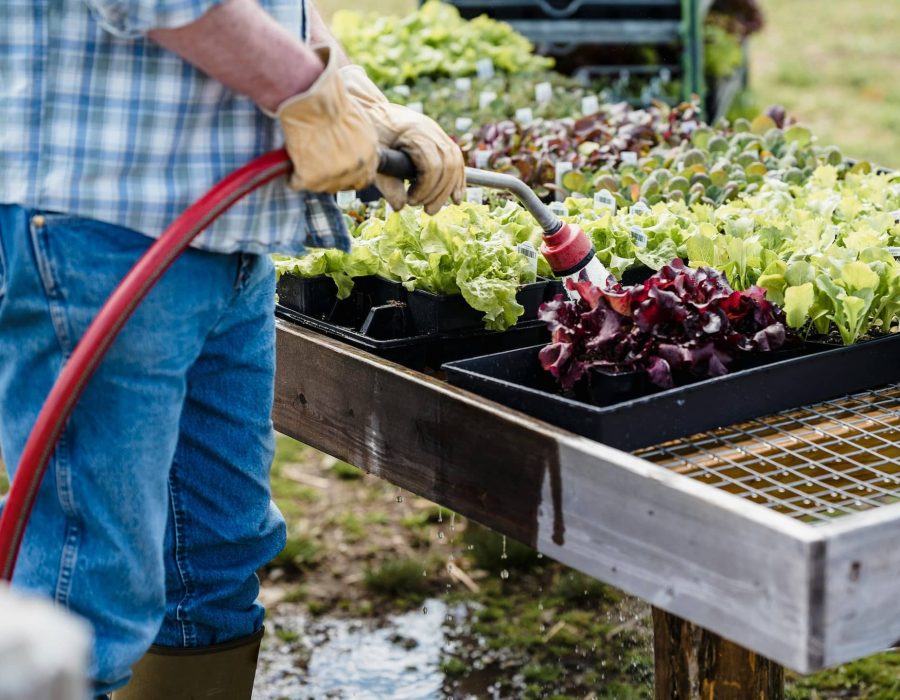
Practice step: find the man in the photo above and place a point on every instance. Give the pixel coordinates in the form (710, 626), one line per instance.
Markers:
(115, 115)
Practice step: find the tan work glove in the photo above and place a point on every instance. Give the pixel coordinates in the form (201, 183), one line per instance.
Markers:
(332, 144)
(440, 169)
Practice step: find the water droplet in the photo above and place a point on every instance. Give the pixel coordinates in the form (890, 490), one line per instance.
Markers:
(470, 547)
(424, 572)
(453, 520)
(540, 556)
(440, 534)
(504, 574)
(503, 554)
(440, 515)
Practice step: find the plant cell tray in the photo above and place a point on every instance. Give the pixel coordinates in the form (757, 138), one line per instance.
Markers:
(388, 340)
(414, 329)
(820, 372)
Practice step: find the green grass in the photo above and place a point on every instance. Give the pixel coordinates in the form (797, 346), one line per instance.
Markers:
(874, 678)
(346, 472)
(397, 577)
(834, 64)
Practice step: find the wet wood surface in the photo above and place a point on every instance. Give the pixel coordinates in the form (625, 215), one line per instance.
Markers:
(692, 663)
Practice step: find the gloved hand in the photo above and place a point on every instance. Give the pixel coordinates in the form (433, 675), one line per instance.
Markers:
(332, 144)
(439, 162)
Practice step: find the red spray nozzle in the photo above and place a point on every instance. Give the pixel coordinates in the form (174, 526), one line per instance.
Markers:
(567, 249)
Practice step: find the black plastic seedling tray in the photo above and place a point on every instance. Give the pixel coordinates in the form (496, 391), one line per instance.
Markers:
(381, 317)
(434, 313)
(821, 372)
(422, 351)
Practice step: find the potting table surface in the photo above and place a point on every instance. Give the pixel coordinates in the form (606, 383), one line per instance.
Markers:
(779, 534)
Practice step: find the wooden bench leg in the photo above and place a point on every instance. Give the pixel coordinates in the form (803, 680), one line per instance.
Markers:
(695, 664)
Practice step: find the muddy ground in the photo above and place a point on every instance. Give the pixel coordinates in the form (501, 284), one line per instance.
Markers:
(381, 594)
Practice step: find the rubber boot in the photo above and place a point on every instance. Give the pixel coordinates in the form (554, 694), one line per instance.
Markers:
(220, 672)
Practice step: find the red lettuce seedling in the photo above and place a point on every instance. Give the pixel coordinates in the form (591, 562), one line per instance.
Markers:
(681, 322)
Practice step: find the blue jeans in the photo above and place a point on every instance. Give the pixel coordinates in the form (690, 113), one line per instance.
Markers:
(155, 512)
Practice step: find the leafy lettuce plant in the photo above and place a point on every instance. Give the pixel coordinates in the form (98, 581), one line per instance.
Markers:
(433, 41)
(681, 323)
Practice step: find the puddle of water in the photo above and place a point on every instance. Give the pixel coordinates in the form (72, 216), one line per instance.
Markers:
(398, 658)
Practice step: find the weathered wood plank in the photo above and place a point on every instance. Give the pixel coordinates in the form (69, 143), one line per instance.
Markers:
(694, 664)
(712, 558)
(860, 609)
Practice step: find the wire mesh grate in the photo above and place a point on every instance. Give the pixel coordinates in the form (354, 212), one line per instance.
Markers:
(814, 464)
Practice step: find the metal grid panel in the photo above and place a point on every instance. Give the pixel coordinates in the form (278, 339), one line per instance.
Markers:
(814, 464)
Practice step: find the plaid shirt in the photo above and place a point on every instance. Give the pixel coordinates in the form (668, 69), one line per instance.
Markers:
(98, 121)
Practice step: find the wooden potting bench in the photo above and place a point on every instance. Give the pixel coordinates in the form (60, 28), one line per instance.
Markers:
(780, 535)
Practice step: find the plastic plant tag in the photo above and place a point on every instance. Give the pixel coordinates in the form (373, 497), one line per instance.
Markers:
(485, 68)
(543, 92)
(485, 97)
(482, 158)
(639, 208)
(416, 107)
(463, 123)
(524, 116)
(345, 198)
(530, 253)
(604, 198)
(558, 209)
(638, 236)
(402, 90)
(895, 251)
(474, 195)
(562, 167)
(590, 105)
(463, 84)
(628, 157)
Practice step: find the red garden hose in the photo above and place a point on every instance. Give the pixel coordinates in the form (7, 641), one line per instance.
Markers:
(99, 337)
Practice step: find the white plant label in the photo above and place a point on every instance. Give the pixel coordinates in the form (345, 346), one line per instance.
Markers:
(529, 252)
(485, 98)
(463, 123)
(604, 198)
(524, 116)
(345, 198)
(485, 68)
(474, 195)
(463, 84)
(590, 104)
(639, 208)
(562, 167)
(628, 157)
(416, 107)
(558, 209)
(895, 251)
(482, 159)
(638, 236)
(543, 92)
